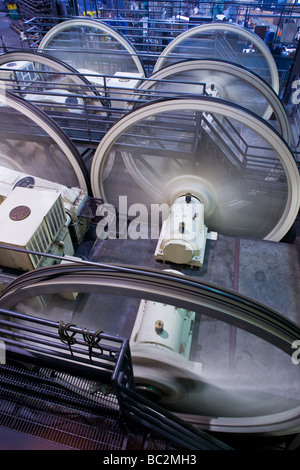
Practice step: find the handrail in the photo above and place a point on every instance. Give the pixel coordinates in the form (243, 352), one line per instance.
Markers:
(61, 346)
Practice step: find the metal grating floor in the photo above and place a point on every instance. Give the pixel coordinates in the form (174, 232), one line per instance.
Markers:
(65, 410)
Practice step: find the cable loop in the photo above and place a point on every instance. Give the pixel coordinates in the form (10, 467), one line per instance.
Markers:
(66, 336)
(92, 340)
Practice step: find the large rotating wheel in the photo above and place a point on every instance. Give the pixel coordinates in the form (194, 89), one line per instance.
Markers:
(258, 394)
(33, 143)
(58, 90)
(220, 79)
(91, 47)
(222, 41)
(232, 160)
(34, 75)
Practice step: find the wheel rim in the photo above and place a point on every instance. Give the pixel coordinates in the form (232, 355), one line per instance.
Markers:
(233, 83)
(51, 146)
(195, 295)
(241, 34)
(150, 184)
(52, 46)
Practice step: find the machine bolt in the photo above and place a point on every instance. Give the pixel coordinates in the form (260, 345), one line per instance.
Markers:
(159, 327)
(181, 227)
(188, 198)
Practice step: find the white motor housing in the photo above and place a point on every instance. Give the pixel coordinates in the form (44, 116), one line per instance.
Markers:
(164, 326)
(183, 236)
(160, 347)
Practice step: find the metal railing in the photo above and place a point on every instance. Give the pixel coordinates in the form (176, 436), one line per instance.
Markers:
(98, 107)
(102, 357)
(151, 25)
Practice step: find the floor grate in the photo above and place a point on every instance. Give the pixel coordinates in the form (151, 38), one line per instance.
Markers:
(60, 408)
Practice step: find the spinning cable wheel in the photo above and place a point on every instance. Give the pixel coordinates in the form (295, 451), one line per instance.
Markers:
(92, 48)
(262, 396)
(32, 142)
(220, 79)
(40, 78)
(234, 162)
(222, 41)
